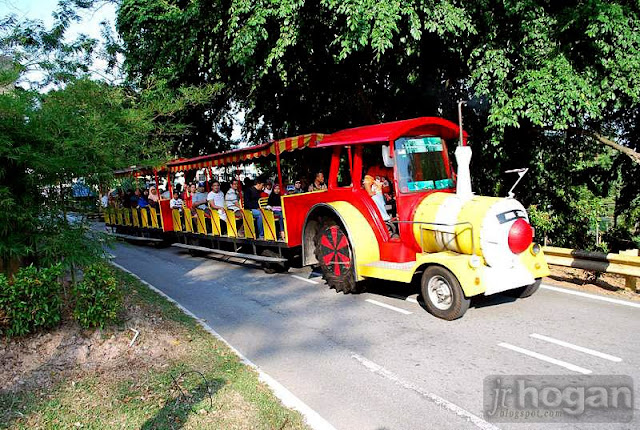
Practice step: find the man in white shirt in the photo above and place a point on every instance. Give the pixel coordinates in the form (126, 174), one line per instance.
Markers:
(215, 200)
(232, 199)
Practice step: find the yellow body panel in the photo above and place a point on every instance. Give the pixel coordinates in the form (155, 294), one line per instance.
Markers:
(474, 212)
(135, 216)
(249, 225)
(120, 216)
(269, 224)
(363, 240)
(215, 223)
(536, 264)
(232, 225)
(188, 221)
(144, 218)
(177, 219)
(201, 221)
(127, 217)
(154, 217)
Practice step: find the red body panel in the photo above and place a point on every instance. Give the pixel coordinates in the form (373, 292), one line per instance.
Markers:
(165, 213)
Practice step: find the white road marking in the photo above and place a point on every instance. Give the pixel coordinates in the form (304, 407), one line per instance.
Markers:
(591, 296)
(384, 305)
(576, 347)
(546, 358)
(289, 399)
(305, 279)
(439, 401)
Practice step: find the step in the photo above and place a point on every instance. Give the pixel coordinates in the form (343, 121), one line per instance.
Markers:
(137, 238)
(231, 253)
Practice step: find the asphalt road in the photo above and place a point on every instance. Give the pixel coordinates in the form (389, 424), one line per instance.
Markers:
(361, 364)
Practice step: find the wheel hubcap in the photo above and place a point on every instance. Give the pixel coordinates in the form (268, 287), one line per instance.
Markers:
(440, 293)
(336, 253)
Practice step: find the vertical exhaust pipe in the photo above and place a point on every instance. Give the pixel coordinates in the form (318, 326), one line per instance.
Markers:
(463, 158)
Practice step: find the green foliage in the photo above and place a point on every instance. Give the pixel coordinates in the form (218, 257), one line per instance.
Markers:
(541, 220)
(30, 300)
(97, 297)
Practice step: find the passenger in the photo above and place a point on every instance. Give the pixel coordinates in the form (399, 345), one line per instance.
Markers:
(153, 197)
(318, 183)
(104, 200)
(274, 203)
(374, 189)
(297, 188)
(215, 200)
(176, 202)
(251, 197)
(268, 187)
(199, 199)
(136, 196)
(143, 201)
(232, 198)
(126, 199)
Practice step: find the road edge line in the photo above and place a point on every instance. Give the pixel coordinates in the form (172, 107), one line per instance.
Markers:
(590, 296)
(290, 400)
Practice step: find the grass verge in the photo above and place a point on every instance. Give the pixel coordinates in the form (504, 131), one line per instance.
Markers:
(176, 375)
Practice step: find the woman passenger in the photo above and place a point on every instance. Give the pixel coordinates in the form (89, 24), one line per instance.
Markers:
(274, 202)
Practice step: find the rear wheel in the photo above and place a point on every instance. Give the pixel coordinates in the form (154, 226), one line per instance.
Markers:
(442, 294)
(335, 256)
(526, 291)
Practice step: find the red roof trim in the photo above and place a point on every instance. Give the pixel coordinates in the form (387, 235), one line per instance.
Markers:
(390, 131)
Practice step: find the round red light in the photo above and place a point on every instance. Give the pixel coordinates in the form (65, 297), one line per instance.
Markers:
(520, 236)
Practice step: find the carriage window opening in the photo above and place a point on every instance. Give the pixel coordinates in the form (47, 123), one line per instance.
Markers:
(421, 164)
(344, 169)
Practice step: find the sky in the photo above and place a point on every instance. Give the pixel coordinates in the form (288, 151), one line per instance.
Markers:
(42, 10)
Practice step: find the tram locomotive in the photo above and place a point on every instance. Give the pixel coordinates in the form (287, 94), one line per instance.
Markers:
(455, 244)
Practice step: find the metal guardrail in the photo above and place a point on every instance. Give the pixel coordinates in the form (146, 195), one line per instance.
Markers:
(620, 264)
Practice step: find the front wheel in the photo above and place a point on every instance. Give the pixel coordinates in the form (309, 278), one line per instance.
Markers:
(442, 294)
(526, 291)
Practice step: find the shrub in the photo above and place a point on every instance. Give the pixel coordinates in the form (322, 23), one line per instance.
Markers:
(30, 300)
(97, 297)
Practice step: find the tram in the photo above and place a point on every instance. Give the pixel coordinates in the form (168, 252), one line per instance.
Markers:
(429, 228)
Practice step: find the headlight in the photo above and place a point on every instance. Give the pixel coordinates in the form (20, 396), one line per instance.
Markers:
(474, 261)
(535, 249)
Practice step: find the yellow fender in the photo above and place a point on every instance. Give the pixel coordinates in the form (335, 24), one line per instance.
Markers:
(365, 248)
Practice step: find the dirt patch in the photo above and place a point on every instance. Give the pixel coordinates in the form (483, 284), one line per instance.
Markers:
(42, 359)
(587, 281)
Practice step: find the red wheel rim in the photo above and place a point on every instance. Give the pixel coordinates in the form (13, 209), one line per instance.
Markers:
(335, 250)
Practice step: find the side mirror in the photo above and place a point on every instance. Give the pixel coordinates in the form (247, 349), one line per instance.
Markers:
(386, 156)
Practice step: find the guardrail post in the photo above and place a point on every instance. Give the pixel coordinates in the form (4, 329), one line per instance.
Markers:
(631, 282)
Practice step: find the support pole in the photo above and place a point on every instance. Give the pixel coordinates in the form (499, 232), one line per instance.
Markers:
(278, 166)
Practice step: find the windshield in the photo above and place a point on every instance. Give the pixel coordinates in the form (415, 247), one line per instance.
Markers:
(421, 164)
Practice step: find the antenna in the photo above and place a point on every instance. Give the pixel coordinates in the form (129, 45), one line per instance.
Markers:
(521, 173)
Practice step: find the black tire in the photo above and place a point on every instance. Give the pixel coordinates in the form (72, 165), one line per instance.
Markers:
(335, 258)
(442, 294)
(526, 291)
(272, 268)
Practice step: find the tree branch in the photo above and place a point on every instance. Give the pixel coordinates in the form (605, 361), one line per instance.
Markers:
(635, 156)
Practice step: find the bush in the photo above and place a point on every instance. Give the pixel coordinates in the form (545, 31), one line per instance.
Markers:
(30, 300)
(97, 297)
